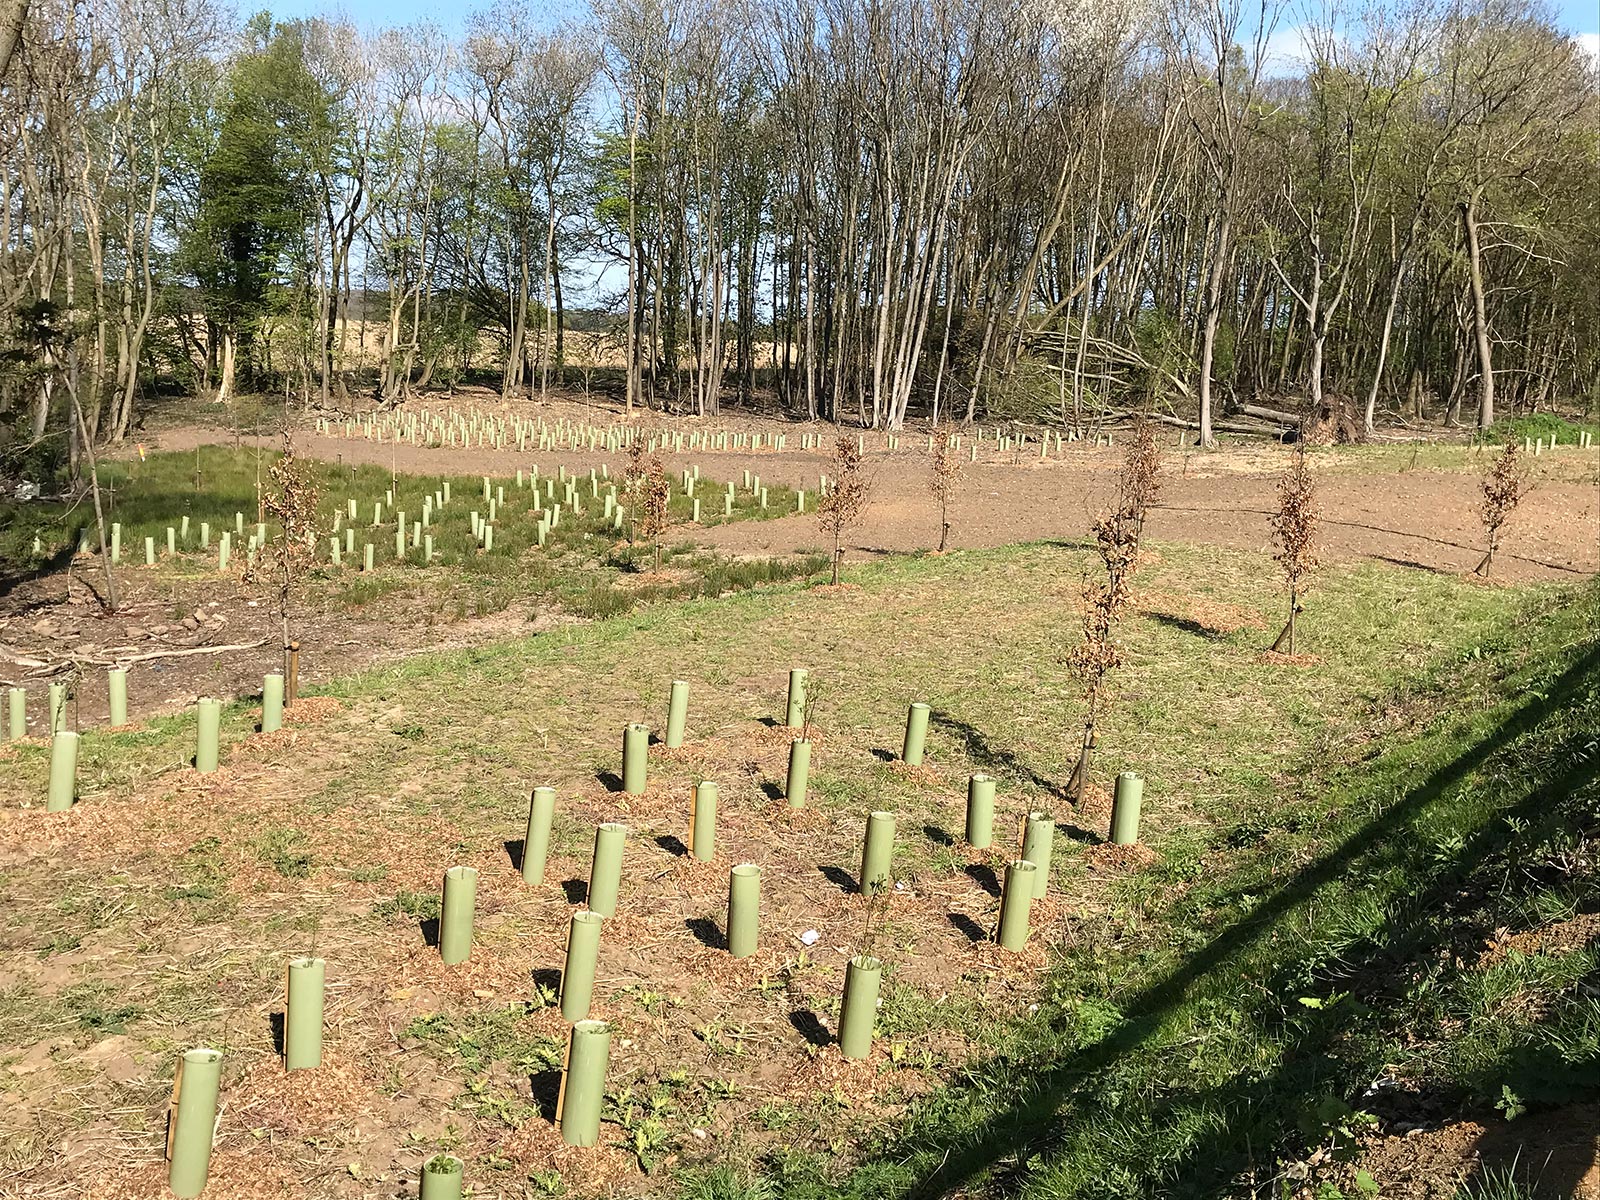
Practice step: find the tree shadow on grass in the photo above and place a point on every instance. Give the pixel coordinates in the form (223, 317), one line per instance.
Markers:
(514, 852)
(1074, 1100)
(610, 780)
(430, 931)
(673, 845)
(575, 891)
(1186, 625)
(994, 758)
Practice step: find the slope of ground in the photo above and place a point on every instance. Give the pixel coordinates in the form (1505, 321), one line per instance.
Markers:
(1385, 981)
(159, 913)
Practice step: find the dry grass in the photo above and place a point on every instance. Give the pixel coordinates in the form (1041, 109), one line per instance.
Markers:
(331, 837)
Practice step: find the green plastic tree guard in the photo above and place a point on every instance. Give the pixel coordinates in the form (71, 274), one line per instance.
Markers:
(366, 557)
(224, 548)
(272, 701)
(172, 541)
(150, 552)
(58, 707)
(795, 715)
(117, 694)
(1125, 809)
(677, 713)
(1015, 901)
(208, 729)
(744, 909)
(63, 771)
(193, 1121)
(116, 541)
(583, 954)
(536, 841)
(442, 1177)
(583, 1083)
(302, 1021)
(799, 768)
(205, 535)
(635, 757)
(427, 547)
(877, 853)
(980, 812)
(859, 1012)
(1038, 840)
(703, 821)
(605, 869)
(916, 734)
(16, 713)
(456, 913)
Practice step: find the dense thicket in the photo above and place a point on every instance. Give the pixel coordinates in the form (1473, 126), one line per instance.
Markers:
(872, 207)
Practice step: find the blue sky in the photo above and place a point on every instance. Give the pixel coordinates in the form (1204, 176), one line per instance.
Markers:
(1578, 16)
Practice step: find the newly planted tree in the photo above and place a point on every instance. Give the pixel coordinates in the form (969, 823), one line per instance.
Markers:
(283, 562)
(1503, 487)
(1139, 480)
(1116, 535)
(846, 502)
(655, 490)
(944, 473)
(1294, 528)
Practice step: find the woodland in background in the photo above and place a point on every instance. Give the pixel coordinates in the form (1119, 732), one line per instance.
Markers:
(858, 209)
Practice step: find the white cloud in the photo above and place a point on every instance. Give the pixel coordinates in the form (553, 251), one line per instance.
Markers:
(1589, 43)
(1287, 52)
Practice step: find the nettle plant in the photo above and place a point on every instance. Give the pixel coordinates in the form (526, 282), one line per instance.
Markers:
(1294, 528)
(1503, 489)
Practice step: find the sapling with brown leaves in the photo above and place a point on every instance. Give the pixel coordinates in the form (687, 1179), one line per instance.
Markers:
(1294, 528)
(1139, 480)
(291, 500)
(846, 502)
(1116, 534)
(655, 491)
(1503, 488)
(944, 473)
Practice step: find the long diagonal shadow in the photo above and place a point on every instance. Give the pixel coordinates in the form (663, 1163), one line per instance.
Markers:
(1049, 1107)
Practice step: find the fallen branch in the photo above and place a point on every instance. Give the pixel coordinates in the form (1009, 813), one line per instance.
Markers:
(42, 667)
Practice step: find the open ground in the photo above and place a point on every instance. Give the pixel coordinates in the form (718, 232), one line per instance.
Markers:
(1225, 981)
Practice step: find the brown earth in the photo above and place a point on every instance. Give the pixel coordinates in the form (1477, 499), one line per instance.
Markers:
(1422, 518)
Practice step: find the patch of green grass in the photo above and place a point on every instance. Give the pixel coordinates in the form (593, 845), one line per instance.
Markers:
(286, 850)
(1245, 1013)
(421, 906)
(479, 1040)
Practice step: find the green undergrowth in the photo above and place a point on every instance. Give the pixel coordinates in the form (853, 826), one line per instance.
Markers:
(1325, 957)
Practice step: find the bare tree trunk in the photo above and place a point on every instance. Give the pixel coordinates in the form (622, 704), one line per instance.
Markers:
(1480, 317)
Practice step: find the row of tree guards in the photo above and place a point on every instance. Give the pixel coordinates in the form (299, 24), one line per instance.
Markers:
(413, 539)
(497, 432)
(192, 1116)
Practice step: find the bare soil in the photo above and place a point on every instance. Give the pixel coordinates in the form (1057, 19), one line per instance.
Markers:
(1422, 517)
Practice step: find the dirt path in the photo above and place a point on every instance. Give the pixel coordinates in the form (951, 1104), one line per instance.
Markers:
(1422, 518)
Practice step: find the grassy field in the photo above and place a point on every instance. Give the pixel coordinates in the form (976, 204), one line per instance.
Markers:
(576, 571)
(1186, 1025)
